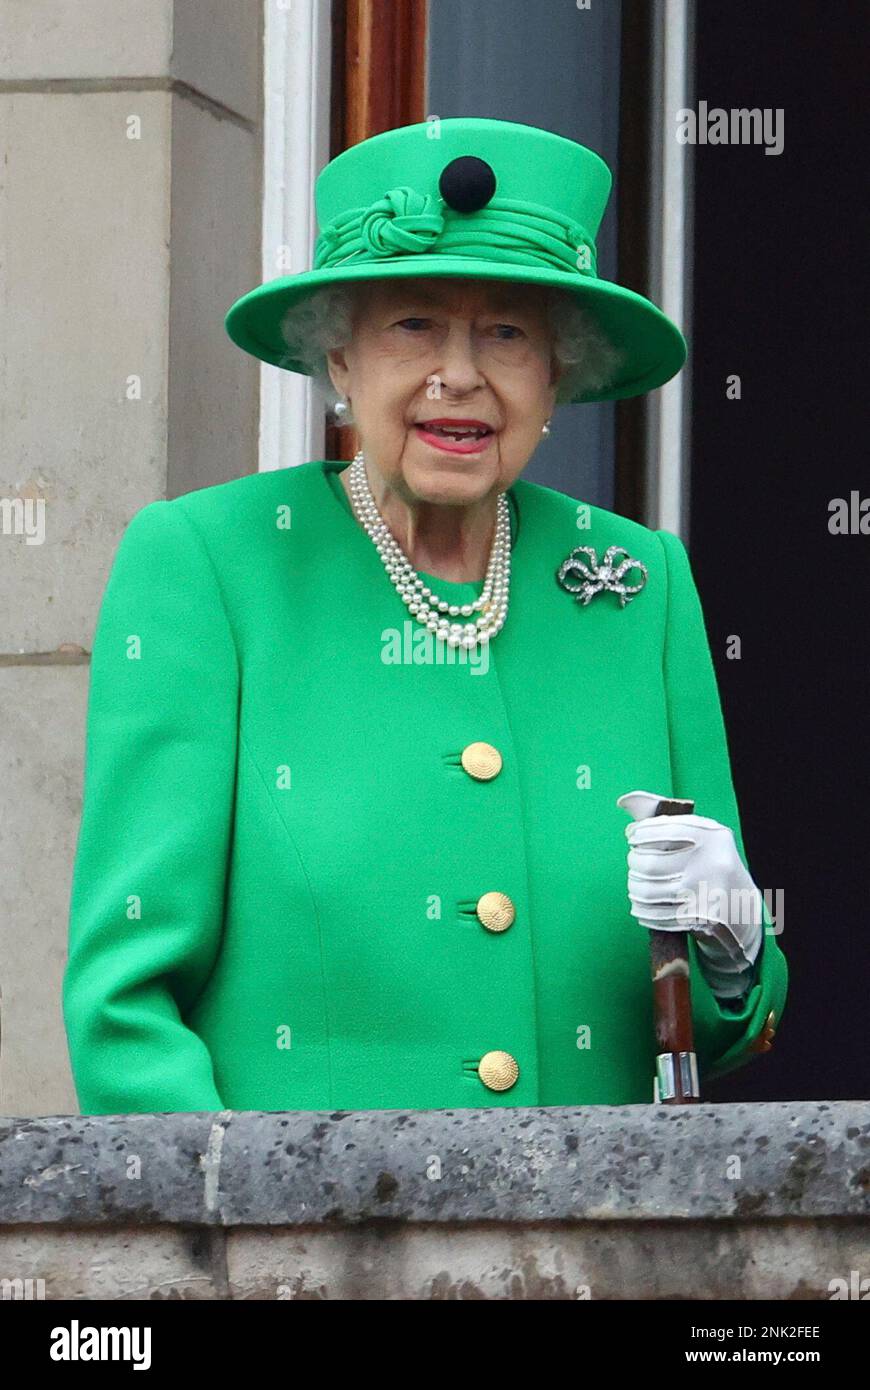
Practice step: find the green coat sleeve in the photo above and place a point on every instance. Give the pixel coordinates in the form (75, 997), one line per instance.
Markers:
(701, 770)
(146, 903)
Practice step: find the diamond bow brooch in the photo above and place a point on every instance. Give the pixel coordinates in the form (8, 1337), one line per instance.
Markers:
(588, 578)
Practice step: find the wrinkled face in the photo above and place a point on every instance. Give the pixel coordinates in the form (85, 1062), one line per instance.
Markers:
(442, 353)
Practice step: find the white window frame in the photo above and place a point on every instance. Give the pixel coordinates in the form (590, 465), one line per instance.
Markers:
(670, 234)
(297, 58)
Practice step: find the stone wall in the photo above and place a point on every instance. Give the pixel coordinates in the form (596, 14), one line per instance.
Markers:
(653, 1202)
(130, 196)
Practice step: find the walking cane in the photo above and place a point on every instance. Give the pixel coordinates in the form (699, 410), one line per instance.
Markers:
(676, 1076)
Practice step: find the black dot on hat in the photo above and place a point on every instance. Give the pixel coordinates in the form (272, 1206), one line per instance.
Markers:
(467, 183)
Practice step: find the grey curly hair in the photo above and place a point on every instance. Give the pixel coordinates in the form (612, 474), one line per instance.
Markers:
(325, 320)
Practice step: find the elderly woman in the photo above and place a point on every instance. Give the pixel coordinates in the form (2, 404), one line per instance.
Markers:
(363, 739)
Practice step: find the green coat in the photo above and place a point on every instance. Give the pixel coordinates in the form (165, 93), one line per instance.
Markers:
(281, 854)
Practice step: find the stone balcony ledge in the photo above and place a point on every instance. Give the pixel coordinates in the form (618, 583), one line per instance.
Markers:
(644, 1201)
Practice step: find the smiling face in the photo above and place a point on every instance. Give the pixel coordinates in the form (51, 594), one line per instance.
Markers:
(442, 353)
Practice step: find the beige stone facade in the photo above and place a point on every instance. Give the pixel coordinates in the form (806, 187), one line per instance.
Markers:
(130, 219)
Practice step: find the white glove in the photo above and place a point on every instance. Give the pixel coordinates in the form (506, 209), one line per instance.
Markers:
(685, 874)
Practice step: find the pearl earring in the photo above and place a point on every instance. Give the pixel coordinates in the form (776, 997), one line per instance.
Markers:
(546, 429)
(339, 410)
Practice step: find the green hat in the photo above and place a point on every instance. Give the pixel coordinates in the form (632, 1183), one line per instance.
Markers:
(492, 200)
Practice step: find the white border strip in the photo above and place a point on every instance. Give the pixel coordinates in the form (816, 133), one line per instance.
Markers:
(667, 438)
(296, 73)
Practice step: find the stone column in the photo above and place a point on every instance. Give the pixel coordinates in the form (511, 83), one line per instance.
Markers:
(130, 195)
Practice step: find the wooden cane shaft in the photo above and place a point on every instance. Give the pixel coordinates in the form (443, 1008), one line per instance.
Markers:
(669, 955)
(672, 1002)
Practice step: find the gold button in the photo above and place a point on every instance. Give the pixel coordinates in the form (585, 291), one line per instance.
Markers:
(498, 1071)
(481, 761)
(496, 911)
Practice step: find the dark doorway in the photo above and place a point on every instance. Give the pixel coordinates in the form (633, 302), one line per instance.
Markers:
(780, 301)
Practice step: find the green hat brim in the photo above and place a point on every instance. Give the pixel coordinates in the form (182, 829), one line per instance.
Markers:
(653, 347)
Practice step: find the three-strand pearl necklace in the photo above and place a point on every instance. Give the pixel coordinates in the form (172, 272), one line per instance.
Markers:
(436, 614)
